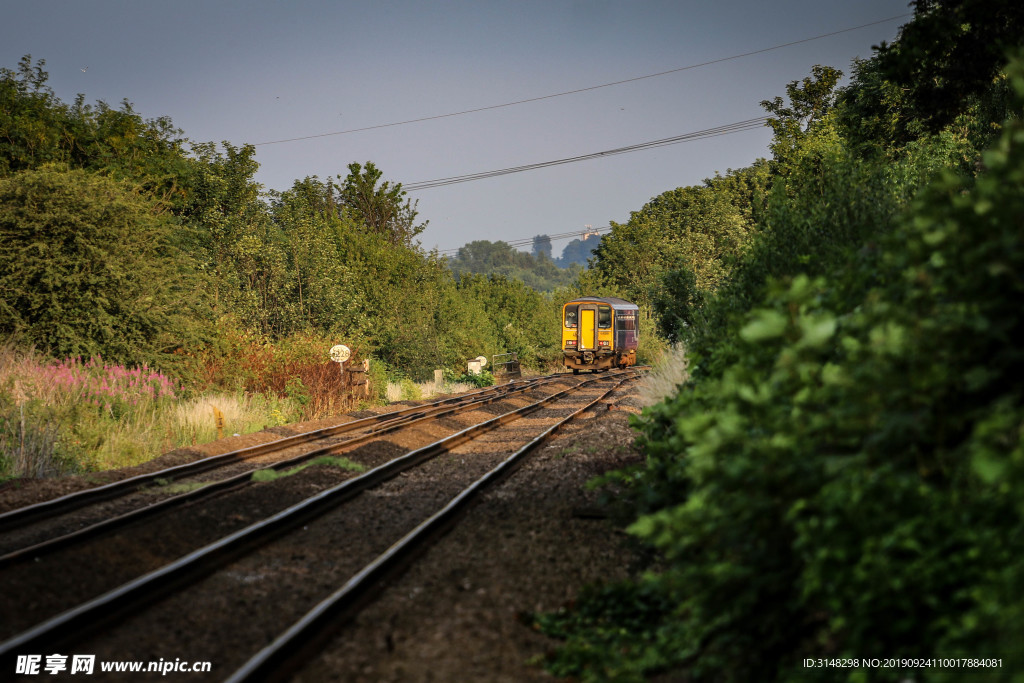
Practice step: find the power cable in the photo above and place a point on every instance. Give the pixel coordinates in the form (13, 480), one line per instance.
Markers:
(587, 89)
(749, 124)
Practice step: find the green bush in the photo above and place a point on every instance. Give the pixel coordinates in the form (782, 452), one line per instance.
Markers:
(483, 379)
(846, 481)
(410, 392)
(88, 266)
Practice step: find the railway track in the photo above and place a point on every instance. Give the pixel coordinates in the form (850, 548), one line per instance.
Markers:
(216, 558)
(26, 515)
(15, 548)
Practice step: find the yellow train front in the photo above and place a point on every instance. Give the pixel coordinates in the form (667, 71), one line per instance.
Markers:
(599, 333)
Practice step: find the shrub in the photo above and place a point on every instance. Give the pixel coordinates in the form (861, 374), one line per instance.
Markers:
(89, 266)
(847, 481)
(482, 379)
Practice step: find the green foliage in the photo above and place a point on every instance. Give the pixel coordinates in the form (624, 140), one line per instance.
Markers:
(678, 304)
(481, 379)
(810, 101)
(482, 257)
(824, 214)
(36, 128)
(406, 305)
(31, 439)
(321, 290)
(383, 209)
(378, 379)
(948, 58)
(408, 390)
(519, 319)
(263, 476)
(87, 266)
(578, 251)
(843, 478)
(703, 228)
(612, 635)
(541, 247)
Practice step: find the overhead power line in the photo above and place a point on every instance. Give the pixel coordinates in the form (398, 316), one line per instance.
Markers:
(749, 124)
(587, 89)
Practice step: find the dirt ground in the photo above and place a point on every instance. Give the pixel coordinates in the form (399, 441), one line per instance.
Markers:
(529, 545)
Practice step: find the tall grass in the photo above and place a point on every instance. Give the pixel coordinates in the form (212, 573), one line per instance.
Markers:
(407, 390)
(75, 415)
(28, 443)
(193, 421)
(669, 371)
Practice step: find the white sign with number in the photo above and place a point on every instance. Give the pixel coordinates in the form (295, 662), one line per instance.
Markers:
(340, 353)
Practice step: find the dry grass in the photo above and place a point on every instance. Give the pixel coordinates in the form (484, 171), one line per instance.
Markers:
(194, 421)
(664, 379)
(317, 386)
(407, 390)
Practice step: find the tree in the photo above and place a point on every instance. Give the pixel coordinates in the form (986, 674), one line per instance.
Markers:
(950, 55)
(29, 118)
(678, 303)
(382, 209)
(321, 287)
(37, 128)
(579, 251)
(88, 266)
(522, 320)
(499, 258)
(484, 256)
(541, 246)
(809, 101)
(220, 200)
(705, 227)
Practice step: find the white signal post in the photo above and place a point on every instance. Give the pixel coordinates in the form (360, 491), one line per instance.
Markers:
(339, 354)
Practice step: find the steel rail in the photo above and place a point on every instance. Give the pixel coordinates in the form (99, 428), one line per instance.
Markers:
(143, 590)
(278, 659)
(29, 514)
(34, 551)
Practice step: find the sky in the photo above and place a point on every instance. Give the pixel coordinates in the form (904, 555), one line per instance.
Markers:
(262, 71)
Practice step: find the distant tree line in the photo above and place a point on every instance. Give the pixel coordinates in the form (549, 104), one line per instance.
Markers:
(536, 268)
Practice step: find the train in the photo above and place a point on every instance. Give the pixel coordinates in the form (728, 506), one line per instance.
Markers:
(599, 333)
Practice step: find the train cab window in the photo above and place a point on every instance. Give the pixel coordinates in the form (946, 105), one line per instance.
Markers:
(604, 317)
(570, 317)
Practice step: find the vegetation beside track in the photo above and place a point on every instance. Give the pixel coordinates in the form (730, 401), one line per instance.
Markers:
(841, 476)
(123, 244)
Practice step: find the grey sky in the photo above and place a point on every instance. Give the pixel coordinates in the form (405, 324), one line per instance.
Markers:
(258, 71)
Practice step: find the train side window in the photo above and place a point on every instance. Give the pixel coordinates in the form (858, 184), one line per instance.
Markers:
(604, 317)
(570, 317)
